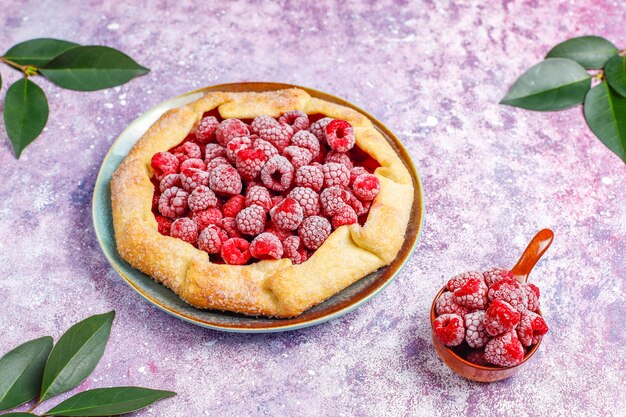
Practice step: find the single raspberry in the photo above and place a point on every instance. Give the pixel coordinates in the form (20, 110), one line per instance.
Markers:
(230, 129)
(333, 199)
(475, 334)
(234, 205)
(184, 229)
(294, 250)
(225, 179)
(501, 317)
(205, 132)
(164, 224)
(319, 128)
(345, 215)
(173, 202)
(201, 198)
(449, 329)
(355, 172)
(260, 196)
(235, 251)
(212, 151)
(336, 175)
(445, 305)
(307, 198)
(472, 295)
(236, 145)
(277, 173)
(192, 178)
(313, 231)
(229, 224)
(459, 280)
(340, 135)
(531, 328)
(216, 162)
(211, 239)
(310, 176)
(164, 163)
(186, 151)
(532, 294)
(360, 207)
(287, 214)
(203, 218)
(340, 158)
(279, 136)
(276, 199)
(193, 163)
(366, 187)
(250, 162)
(281, 234)
(297, 119)
(307, 140)
(169, 181)
(476, 356)
(495, 274)
(511, 291)
(251, 220)
(263, 123)
(266, 246)
(268, 149)
(298, 157)
(504, 350)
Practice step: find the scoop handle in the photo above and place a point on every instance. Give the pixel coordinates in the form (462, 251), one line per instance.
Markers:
(533, 252)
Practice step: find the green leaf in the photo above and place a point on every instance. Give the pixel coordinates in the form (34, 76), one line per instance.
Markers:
(38, 52)
(25, 113)
(0, 81)
(605, 113)
(76, 355)
(615, 72)
(21, 370)
(89, 68)
(108, 401)
(553, 84)
(591, 52)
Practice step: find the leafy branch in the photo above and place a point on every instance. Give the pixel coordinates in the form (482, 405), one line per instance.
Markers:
(66, 64)
(563, 80)
(40, 370)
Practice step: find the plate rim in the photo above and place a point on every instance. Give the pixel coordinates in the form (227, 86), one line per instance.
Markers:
(417, 205)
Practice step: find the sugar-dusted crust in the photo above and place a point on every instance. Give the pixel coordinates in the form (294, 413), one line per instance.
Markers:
(270, 288)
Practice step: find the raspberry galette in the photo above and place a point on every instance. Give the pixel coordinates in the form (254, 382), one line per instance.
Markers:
(260, 203)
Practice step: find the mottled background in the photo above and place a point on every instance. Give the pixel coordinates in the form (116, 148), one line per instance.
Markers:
(432, 71)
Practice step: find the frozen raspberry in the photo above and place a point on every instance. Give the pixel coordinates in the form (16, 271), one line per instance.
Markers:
(173, 202)
(277, 174)
(449, 329)
(531, 328)
(279, 136)
(287, 214)
(307, 198)
(319, 159)
(472, 295)
(355, 172)
(319, 128)
(360, 207)
(475, 334)
(313, 231)
(366, 187)
(511, 291)
(263, 123)
(477, 357)
(169, 181)
(340, 158)
(459, 280)
(192, 178)
(185, 229)
(268, 149)
(297, 119)
(164, 224)
(235, 251)
(215, 162)
(225, 179)
(250, 162)
(203, 218)
(311, 177)
(260, 196)
(294, 250)
(196, 163)
(266, 246)
(445, 305)
(187, 150)
(340, 135)
(281, 234)
(306, 140)
(251, 220)
(276, 199)
(495, 274)
(298, 157)
(229, 224)
(230, 129)
(333, 199)
(212, 151)
(345, 215)
(211, 238)
(234, 205)
(201, 198)
(164, 163)
(504, 350)
(236, 145)
(336, 175)
(500, 317)
(205, 132)
(532, 295)
(155, 201)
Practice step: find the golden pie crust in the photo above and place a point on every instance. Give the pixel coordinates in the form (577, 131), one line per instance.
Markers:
(275, 288)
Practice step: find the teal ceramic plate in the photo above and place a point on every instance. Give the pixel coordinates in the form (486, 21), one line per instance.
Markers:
(343, 302)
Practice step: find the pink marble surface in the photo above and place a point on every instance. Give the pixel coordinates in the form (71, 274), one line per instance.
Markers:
(434, 72)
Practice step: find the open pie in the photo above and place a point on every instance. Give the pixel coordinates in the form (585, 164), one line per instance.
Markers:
(260, 203)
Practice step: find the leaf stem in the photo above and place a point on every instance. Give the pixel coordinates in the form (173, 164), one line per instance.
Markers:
(28, 70)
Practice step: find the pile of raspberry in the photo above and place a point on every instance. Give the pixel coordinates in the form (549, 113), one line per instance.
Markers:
(245, 190)
(490, 318)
